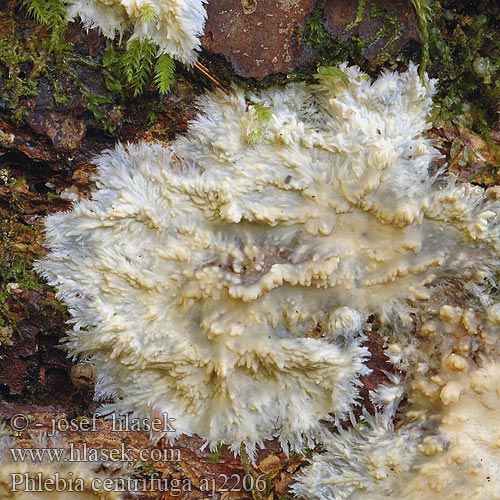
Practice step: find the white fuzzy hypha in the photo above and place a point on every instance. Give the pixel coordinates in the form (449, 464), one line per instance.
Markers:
(363, 462)
(226, 279)
(453, 453)
(174, 25)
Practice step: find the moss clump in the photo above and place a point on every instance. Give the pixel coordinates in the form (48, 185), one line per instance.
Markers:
(214, 456)
(326, 50)
(465, 50)
(38, 59)
(424, 9)
(139, 63)
(20, 242)
(51, 13)
(350, 45)
(19, 73)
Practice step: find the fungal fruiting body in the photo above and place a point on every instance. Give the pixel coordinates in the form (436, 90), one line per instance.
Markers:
(159, 285)
(225, 279)
(451, 451)
(174, 25)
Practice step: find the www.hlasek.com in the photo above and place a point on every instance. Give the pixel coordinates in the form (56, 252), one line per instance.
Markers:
(49, 479)
(84, 453)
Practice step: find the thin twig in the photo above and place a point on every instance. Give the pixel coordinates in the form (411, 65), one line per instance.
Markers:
(205, 72)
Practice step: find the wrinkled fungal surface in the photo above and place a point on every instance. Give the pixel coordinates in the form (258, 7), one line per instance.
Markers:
(226, 278)
(452, 452)
(174, 25)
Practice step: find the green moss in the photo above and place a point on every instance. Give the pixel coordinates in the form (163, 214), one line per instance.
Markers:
(19, 81)
(16, 274)
(135, 66)
(50, 13)
(20, 274)
(33, 54)
(424, 9)
(164, 73)
(359, 14)
(465, 48)
(30, 55)
(326, 50)
(315, 34)
(16, 242)
(214, 456)
(262, 115)
(348, 45)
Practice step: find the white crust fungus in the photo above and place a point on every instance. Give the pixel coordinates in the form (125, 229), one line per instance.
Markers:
(174, 25)
(155, 291)
(462, 459)
(361, 462)
(451, 454)
(226, 279)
